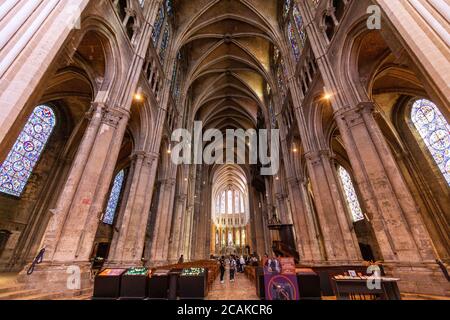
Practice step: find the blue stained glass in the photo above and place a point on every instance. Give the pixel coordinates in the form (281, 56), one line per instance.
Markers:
(280, 80)
(157, 27)
(222, 203)
(435, 132)
(18, 166)
(350, 195)
(293, 40)
(300, 25)
(164, 43)
(114, 197)
(175, 78)
(273, 119)
(287, 7)
(169, 7)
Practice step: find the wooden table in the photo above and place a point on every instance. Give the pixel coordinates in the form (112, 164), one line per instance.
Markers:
(357, 289)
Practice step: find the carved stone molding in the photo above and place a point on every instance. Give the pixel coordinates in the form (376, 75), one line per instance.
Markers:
(315, 157)
(181, 198)
(351, 116)
(113, 116)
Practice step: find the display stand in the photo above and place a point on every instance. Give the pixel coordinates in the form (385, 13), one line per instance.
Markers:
(107, 284)
(174, 274)
(356, 288)
(309, 284)
(260, 285)
(193, 283)
(134, 284)
(158, 285)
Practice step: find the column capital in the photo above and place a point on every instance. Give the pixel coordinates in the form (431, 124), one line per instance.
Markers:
(366, 107)
(96, 107)
(170, 182)
(293, 181)
(144, 155)
(113, 116)
(350, 115)
(316, 156)
(181, 198)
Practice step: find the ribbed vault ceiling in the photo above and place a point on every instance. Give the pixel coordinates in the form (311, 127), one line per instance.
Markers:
(228, 45)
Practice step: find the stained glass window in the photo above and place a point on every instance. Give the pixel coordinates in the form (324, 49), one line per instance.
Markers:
(169, 7)
(218, 205)
(114, 198)
(276, 54)
(230, 202)
(157, 26)
(293, 41)
(273, 119)
(300, 26)
(164, 43)
(222, 203)
(242, 204)
(435, 132)
(175, 83)
(18, 166)
(237, 203)
(280, 80)
(350, 195)
(287, 7)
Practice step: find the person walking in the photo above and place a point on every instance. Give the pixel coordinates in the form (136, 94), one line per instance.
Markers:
(232, 268)
(222, 269)
(242, 264)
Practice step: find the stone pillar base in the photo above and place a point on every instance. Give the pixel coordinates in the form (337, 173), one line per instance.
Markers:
(157, 263)
(66, 278)
(419, 278)
(123, 264)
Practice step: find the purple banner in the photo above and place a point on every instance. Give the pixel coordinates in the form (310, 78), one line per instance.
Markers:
(281, 280)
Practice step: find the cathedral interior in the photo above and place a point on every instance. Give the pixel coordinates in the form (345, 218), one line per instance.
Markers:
(92, 92)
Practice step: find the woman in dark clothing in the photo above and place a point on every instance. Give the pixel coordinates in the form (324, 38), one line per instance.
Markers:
(222, 269)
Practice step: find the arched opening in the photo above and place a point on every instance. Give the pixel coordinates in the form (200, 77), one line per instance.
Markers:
(230, 212)
(329, 27)
(339, 9)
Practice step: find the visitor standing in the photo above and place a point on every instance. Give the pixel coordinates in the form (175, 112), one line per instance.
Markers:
(222, 269)
(222, 263)
(242, 264)
(232, 268)
(238, 264)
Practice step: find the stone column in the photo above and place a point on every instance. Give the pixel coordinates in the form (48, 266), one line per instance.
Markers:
(420, 29)
(398, 225)
(252, 221)
(188, 232)
(307, 240)
(340, 240)
(177, 226)
(71, 230)
(65, 199)
(160, 244)
(128, 243)
(21, 70)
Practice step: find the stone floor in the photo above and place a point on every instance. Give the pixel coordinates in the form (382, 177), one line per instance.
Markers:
(241, 289)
